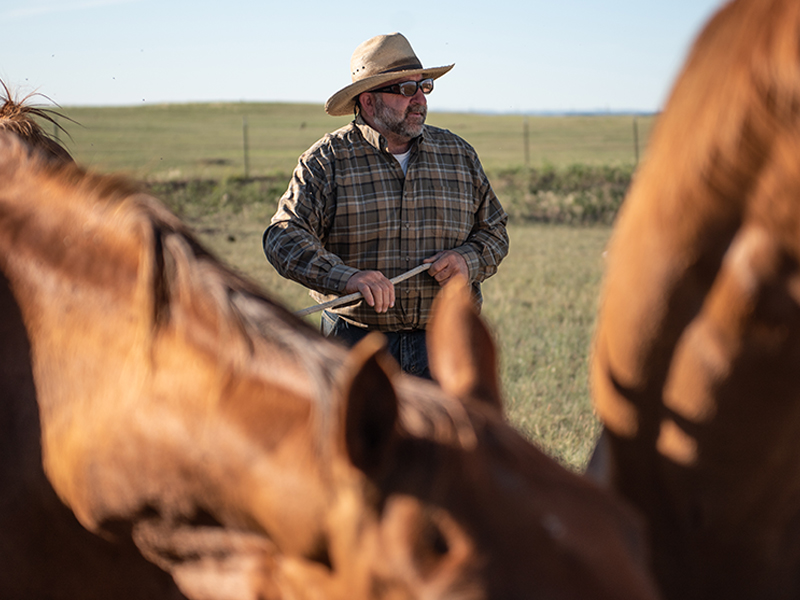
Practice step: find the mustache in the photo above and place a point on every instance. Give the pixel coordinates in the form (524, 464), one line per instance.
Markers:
(418, 109)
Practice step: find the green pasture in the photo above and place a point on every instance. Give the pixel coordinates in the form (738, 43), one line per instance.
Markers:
(189, 141)
(540, 305)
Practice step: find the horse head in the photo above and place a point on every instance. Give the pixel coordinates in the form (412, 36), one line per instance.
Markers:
(443, 498)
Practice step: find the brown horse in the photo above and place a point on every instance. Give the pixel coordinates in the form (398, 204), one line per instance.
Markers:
(697, 352)
(156, 404)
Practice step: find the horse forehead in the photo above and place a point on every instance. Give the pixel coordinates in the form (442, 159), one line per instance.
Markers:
(473, 440)
(467, 451)
(428, 413)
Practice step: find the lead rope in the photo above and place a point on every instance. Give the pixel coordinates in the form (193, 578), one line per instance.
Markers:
(357, 295)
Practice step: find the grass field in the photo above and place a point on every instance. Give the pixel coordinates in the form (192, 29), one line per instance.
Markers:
(186, 141)
(540, 305)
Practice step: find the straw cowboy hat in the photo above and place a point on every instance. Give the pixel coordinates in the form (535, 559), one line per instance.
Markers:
(376, 62)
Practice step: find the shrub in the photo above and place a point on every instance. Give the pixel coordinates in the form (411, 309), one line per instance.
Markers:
(196, 198)
(578, 194)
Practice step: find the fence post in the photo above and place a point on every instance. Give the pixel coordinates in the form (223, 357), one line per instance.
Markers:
(246, 149)
(525, 138)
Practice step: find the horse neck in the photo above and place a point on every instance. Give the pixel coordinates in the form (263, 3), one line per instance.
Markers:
(136, 345)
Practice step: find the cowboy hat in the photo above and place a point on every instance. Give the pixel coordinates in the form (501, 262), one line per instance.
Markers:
(377, 61)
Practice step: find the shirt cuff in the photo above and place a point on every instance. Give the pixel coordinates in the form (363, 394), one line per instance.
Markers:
(338, 277)
(473, 260)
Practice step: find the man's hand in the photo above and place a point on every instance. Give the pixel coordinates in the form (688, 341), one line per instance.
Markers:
(446, 264)
(377, 290)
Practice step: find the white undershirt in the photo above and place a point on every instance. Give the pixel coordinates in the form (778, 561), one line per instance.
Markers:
(403, 159)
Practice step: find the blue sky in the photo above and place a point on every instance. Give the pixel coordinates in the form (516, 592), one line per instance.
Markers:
(519, 56)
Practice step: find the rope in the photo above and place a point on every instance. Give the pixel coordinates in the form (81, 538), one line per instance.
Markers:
(357, 295)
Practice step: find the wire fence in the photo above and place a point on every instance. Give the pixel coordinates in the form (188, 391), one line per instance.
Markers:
(183, 142)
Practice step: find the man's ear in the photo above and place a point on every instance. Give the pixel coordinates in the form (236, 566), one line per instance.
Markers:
(368, 414)
(461, 351)
(366, 103)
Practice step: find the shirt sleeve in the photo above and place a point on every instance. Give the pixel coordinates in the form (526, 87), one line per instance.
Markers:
(294, 241)
(487, 244)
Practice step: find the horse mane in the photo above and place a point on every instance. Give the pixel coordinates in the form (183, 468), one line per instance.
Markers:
(245, 323)
(19, 116)
(180, 281)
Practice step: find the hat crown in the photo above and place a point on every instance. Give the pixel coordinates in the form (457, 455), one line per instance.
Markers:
(383, 54)
(378, 62)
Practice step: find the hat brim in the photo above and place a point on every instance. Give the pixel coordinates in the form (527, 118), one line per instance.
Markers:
(343, 101)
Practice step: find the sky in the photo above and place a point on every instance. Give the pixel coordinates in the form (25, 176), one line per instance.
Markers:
(511, 56)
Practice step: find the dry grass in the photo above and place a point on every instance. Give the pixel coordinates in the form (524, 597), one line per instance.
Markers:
(542, 306)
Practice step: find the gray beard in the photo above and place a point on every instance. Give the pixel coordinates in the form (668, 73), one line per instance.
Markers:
(389, 120)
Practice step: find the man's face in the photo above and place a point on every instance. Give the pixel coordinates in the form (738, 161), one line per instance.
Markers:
(401, 115)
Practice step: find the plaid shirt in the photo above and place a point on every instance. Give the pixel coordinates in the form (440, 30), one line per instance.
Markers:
(349, 208)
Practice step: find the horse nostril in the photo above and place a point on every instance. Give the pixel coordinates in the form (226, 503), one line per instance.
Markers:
(438, 542)
(431, 547)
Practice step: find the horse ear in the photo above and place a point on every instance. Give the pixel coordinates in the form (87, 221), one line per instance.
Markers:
(369, 410)
(461, 352)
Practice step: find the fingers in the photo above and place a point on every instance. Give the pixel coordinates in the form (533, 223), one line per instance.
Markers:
(377, 290)
(378, 296)
(447, 265)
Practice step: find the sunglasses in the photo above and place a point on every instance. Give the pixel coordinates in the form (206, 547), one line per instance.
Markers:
(408, 88)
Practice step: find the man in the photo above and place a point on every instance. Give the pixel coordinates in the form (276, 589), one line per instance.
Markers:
(378, 197)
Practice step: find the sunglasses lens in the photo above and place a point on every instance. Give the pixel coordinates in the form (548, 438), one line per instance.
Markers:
(408, 88)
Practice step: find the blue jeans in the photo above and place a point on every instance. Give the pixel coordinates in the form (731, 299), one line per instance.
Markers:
(407, 347)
